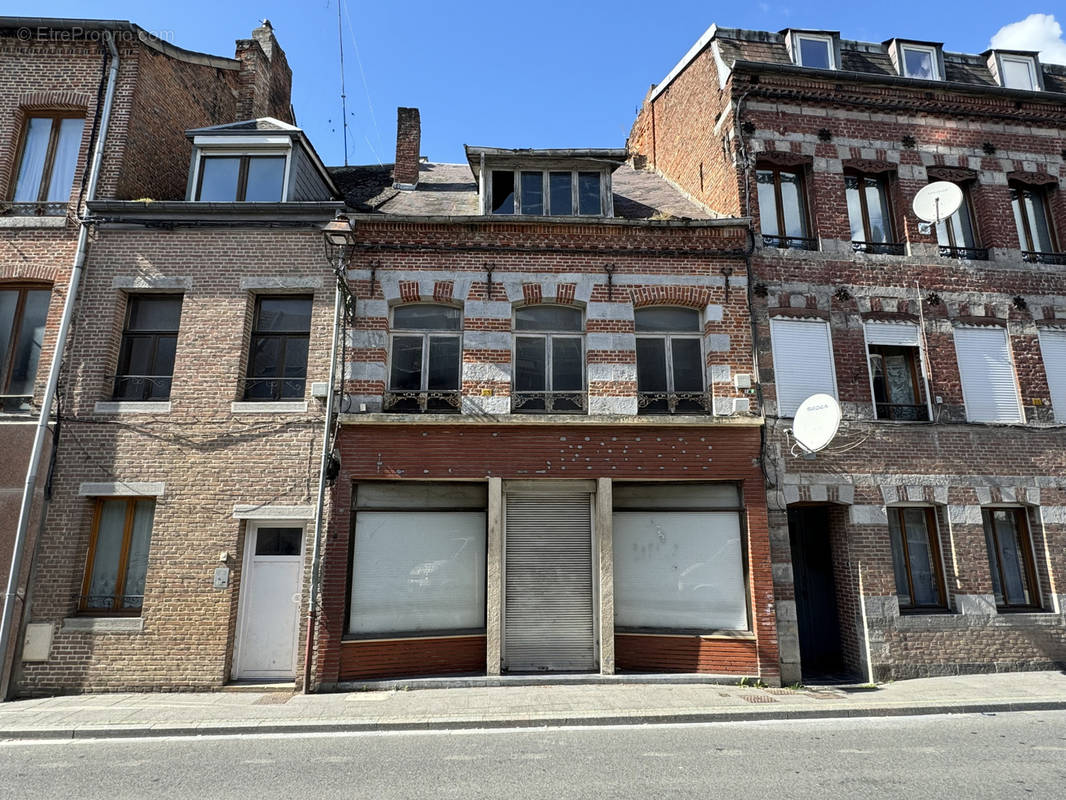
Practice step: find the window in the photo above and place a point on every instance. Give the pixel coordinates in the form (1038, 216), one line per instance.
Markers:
(916, 558)
(803, 362)
(48, 158)
(870, 214)
(989, 388)
(551, 192)
(118, 555)
(782, 208)
(426, 359)
(670, 361)
(277, 363)
(1031, 220)
(225, 179)
(23, 311)
(678, 557)
(896, 371)
(549, 360)
(1053, 348)
(1010, 556)
(919, 61)
(814, 51)
(1018, 72)
(418, 558)
(955, 235)
(149, 342)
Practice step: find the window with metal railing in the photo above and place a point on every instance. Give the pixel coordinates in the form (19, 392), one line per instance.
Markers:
(425, 359)
(670, 373)
(549, 360)
(277, 360)
(47, 159)
(149, 345)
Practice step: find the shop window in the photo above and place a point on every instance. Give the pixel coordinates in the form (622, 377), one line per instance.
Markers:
(23, 312)
(670, 371)
(916, 558)
(989, 387)
(1010, 556)
(118, 556)
(149, 344)
(803, 362)
(47, 160)
(277, 361)
(783, 219)
(549, 360)
(425, 359)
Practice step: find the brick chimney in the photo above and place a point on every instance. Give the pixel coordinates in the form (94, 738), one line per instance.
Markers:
(408, 142)
(265, 79)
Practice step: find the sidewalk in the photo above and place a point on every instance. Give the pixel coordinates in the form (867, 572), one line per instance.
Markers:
(136, 715)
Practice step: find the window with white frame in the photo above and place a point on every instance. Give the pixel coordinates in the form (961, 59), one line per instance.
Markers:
(1018, 72)
(897, 374)
(813, 50)
(670, 374)
(679, 557)
(803, 362)
(425, 359)
(1053, 349)
(418, 558)
(989, 386)
(919, 61)
(550, 192)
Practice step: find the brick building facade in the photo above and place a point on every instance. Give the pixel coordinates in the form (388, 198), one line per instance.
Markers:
(933, 527)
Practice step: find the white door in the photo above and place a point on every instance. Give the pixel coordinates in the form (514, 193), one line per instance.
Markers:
(268, 619)
(548, 596)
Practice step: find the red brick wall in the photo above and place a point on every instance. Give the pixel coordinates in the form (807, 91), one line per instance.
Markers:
(641, 653)
(397, 658)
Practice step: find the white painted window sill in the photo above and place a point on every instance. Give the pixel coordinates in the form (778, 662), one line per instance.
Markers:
(103, 625)
(132, 407)
(34, 222)
(293, 407)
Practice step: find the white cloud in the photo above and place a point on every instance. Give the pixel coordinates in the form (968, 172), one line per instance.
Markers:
(1040, 32)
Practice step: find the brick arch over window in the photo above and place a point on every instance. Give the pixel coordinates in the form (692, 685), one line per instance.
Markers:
(28, 104)
(685, 296)
(29, 273)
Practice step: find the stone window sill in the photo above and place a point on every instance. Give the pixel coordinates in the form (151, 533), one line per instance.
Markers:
(248, 407)
(132, 407)
(103, 625)
(34, 222)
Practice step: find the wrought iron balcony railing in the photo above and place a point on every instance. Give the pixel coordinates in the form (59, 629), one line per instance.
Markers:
(142, 387)
(105, 603)
(437, 401)
(967, 253)
(35, 209)
(900, 412)
(549, 402)
(16, 403)
(674, 403)
(268, 389)
(881, 248)
(1032, 257)
(790, 242)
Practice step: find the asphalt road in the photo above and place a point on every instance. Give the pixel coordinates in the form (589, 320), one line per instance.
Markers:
(973, 756)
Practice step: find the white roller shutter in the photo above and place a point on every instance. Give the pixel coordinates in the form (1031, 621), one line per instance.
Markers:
(893, 334)
(989, 388)
(548, 601)
(1053, 347)
(803, 362)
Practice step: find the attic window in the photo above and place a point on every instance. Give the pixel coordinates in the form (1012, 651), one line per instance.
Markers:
(550, 192)
(241, 178)
(919, 61)
(815, 51)
(1018, 72)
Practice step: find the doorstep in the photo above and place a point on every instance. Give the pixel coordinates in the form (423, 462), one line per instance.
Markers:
(539, 679)
(259, 686)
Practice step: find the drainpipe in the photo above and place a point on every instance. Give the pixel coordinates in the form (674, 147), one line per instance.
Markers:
(327, 450)
(53, 377)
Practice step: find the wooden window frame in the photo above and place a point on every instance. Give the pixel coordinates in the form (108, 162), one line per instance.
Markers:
(280, 377)
(932, 531)
(242, 173)
(967, 202)
(915, 355)
(16, 324)
(155, 334)
(50, 153)
(1021, 522)
(890, 215)
(116, 609)
(779, 203)
(1016, 187)
(606, 207)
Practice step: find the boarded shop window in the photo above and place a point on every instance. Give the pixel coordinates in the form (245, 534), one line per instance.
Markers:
(118, 556)
(418, 561)
(679, 558)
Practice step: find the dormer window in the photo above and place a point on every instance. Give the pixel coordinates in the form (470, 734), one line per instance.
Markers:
(555, 193)
(1018, 72)
(815, 50)
(241, 178)
(919, 61)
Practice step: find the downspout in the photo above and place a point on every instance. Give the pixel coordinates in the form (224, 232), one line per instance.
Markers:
(327, 451)
(26, 508)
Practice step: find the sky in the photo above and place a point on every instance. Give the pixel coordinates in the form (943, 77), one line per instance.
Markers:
(550, 74)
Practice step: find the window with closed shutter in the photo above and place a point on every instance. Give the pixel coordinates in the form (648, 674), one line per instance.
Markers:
(803, 362)
(1053, 348)
(989, 387)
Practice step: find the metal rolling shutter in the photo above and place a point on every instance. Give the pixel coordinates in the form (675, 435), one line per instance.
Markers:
(897, 334)
(548, 608)
(1053, 347)
(803, 362)
(988, 385)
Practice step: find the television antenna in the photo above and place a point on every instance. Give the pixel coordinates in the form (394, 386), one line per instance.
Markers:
(936, 202)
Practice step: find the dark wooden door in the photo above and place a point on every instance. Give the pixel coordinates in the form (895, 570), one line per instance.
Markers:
(816, 604)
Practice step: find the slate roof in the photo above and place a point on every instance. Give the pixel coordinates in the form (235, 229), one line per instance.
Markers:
(450, 190)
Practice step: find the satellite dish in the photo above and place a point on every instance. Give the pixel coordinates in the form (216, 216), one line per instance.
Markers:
(816, 422)
(937, 201)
